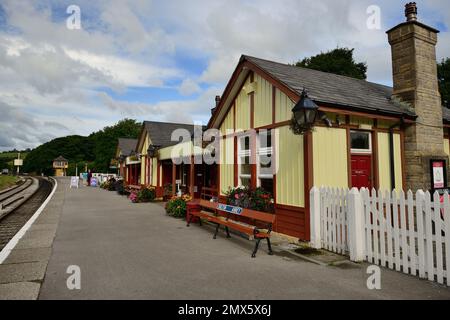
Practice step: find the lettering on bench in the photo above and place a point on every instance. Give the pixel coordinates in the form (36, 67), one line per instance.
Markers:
(230, 209)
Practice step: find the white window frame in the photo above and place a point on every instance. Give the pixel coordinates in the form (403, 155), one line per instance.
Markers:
(243, 153)
(361, 151)
(263, 151)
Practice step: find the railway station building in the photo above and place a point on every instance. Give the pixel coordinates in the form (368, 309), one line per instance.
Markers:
(316, 129)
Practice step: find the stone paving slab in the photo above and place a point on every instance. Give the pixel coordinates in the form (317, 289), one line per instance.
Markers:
(19, 291)
(22, 272)
(29, 255)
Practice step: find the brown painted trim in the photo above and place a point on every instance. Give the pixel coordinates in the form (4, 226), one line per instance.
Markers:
(289, 208)
(309, 179)
(158, 175)
(375, 159)
(349, 160)
(254, 161)
(252, 103)
(362, 114)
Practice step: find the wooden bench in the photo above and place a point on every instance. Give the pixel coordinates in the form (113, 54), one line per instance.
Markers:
(131, 188)
(227, 216)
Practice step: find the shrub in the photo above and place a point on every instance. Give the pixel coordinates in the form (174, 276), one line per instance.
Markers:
(257, 199)
(119, 187)
(176, 207)
(147, 194)
(133, 197)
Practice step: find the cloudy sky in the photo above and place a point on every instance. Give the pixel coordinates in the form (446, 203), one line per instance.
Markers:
(166, 60)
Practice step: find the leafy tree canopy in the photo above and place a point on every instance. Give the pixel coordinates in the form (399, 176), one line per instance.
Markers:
(96, 151)
(338, 61)
(444, 81)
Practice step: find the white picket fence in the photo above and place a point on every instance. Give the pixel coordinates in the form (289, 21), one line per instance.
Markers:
(394, 230)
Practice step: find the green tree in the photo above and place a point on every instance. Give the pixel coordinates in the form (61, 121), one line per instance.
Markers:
(105, 141)
(444, 81)
(338, 61)
(96, 151)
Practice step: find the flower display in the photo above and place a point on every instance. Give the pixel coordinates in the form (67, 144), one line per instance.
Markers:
(176, 206)
(257, 199)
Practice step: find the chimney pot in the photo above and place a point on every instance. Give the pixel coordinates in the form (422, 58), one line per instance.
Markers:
(217, 101)
(411, 11)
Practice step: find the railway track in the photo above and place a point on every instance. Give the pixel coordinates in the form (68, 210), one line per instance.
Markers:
(14, 221)
(11, 192)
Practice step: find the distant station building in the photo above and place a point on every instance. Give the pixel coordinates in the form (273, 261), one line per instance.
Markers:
(128, 161)
(60, 165)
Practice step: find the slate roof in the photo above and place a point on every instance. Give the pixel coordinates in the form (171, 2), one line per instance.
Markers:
(328, 88)
(61, 158)
(127, 146)
(161, 132)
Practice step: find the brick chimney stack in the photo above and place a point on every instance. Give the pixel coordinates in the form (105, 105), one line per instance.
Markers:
(415, 78)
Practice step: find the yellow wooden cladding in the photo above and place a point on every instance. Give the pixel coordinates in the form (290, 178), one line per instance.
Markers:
(228, 123)
(290, 174)
(330, 157)
(242, 110)
(143, 151)
(263, 102)
(283, 107)
(155, 172)
(359, 121)
(447, 146)
(226, 164)
(384, 162)
(143, 170)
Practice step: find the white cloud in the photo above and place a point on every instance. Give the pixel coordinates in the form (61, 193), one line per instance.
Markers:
(52, 75)
(189, 87)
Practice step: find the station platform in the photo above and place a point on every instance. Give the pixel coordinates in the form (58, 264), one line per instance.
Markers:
(135, 251)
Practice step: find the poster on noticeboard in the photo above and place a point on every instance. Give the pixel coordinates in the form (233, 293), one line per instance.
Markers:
(439, 174)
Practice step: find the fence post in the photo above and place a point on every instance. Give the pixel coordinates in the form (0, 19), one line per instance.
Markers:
(356, 230)
(316, 241)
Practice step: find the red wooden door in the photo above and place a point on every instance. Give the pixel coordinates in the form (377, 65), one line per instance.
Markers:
(362, 171)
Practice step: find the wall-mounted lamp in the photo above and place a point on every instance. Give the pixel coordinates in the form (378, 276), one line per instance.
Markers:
(305, 114)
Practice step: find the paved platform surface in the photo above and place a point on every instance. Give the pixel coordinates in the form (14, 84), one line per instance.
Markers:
(135, 251)
(23, 271)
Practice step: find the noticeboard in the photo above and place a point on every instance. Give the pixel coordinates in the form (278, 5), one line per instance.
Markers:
(94, 182)
(438, 174)
(74, 182)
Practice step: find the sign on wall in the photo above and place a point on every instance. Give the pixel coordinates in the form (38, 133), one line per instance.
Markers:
(438, 174)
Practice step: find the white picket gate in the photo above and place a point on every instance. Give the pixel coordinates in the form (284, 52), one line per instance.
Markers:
(394, 230)
(333, 220)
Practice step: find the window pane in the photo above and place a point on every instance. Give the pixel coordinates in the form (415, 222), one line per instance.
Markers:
(245, 182)
(245, 143)
(360, 140)
(246, 169)
(265, 139)
(267, 185)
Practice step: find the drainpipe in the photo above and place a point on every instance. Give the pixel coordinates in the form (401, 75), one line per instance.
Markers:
(392, 152)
